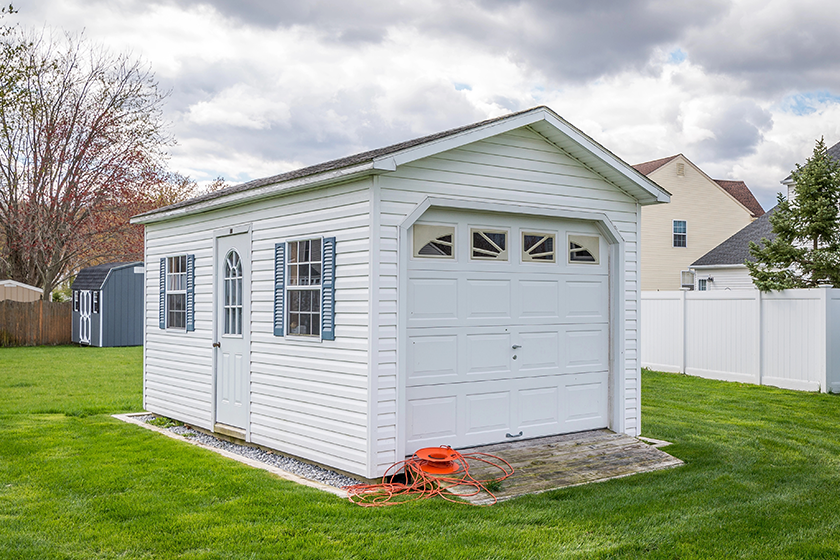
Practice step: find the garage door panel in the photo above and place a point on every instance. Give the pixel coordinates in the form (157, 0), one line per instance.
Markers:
(585, 299)
(539, 299)
(586, 348)
(433, 299)
(488, 353)
(539, 353)
(488, 299)
(487, 412)
(539, 407)
(432, 418)
(432, 359)
(586, 402)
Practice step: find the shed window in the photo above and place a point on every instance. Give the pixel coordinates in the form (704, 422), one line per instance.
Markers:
(304, 287)
(95, 304)
(680, 233)
(584, 249)
(434, 241)
(489, 245)
(176, 292)
(538, 247)
(233, 294)
(76, 300)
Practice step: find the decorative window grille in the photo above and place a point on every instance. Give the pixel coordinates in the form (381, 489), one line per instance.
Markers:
(584, 249)
(488, 245)
(434, 241)
(538, 247)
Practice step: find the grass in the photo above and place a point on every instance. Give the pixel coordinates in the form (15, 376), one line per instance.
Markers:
(760, 481)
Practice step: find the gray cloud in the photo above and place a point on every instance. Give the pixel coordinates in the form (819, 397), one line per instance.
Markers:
(738, 129)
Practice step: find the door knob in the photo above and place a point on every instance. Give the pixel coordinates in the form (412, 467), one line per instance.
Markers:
(217, 345)
(516, 346)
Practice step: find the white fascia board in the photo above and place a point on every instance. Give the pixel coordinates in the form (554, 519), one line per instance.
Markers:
(266, 191)
(708, 266)
(14, 283)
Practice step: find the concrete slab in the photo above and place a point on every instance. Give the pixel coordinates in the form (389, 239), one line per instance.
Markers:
(555, 462)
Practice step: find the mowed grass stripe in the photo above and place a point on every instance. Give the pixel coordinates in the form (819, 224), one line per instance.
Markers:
(760, 481)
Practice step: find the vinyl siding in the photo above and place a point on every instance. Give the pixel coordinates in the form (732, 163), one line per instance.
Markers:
(711, 216)
(516, 166)
(308, 398)
(729, 278)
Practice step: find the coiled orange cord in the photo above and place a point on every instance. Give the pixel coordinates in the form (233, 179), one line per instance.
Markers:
(420, 485)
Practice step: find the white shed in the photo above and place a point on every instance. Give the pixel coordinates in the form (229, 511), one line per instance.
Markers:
(470, 287)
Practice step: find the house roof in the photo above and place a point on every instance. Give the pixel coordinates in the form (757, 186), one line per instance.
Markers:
(93, 277)
(742, 193)
(736, 249)
(833, 151)
(649, 167)
(737, 189)
(541, 120)
(14, 284)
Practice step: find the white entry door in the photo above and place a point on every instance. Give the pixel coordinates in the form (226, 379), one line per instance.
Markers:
(508, 329)
(84, 316)
(233, 285)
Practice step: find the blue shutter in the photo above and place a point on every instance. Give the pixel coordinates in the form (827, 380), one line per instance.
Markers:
(190, 293)
(328, 290)
(162, 307)
(279, 285)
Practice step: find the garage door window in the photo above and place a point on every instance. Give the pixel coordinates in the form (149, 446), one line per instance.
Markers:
(538, 247)
(583, 249)
(435, 242)
(489, 244)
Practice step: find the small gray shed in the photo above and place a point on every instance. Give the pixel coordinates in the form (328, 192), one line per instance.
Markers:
(108, 305)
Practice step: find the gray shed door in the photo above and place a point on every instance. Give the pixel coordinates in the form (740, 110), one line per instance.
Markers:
(508, 335)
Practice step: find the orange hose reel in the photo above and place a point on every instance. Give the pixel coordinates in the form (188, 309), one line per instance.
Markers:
(437, 460)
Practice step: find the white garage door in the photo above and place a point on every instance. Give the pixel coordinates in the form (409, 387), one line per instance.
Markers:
(508, 329)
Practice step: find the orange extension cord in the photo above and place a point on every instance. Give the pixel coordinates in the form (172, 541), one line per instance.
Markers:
(420, 485)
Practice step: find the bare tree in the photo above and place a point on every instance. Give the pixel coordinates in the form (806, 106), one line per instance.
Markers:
(81, 131)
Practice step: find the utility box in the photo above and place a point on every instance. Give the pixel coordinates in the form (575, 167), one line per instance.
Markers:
(108, 305)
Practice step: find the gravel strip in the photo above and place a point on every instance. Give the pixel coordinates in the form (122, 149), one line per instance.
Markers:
(299, 468)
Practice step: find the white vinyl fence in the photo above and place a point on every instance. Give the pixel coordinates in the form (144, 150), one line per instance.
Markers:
(788, 339)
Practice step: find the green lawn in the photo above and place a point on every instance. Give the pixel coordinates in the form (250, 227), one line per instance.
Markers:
(761, 480)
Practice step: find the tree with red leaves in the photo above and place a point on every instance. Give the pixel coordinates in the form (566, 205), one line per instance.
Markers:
(82, 143)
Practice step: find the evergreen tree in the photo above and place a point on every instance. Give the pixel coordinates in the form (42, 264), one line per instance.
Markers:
(806, 250)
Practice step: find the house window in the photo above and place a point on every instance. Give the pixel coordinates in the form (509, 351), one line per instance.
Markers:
(95, 304)
(680, 233)
(702, 285)
(304, 287)
(538, 247)
(489, 245)
(233, 294)
(176, 292)
(584, 249)
(435, 242)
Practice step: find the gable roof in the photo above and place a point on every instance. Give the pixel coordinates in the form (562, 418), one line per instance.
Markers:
(93, 277)
(742, 193)
(649, 167)
(736, 189)
(736, 249)
(541, 120)
(833, 152)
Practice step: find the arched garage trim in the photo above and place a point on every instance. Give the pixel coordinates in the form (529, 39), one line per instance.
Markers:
(617, 298)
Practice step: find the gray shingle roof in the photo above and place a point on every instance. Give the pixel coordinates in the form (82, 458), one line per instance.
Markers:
(92, 277)
(335, 164)
(736, 249)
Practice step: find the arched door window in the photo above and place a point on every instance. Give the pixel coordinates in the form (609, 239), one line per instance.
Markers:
(233, 293)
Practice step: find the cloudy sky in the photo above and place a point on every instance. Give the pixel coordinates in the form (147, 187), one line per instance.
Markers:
(743, 88)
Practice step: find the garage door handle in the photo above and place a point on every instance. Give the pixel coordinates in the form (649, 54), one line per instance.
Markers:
(516, 346)
(217, 345)
(517, 435)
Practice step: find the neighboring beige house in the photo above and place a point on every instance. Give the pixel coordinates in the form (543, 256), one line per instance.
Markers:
(17, 291)
(703, 213)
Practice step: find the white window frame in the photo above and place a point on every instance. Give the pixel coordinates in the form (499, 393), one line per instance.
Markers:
(674, 234)
(503, 256)
(526, 257)
(702, 284)
(289, 288)
(176, 289)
